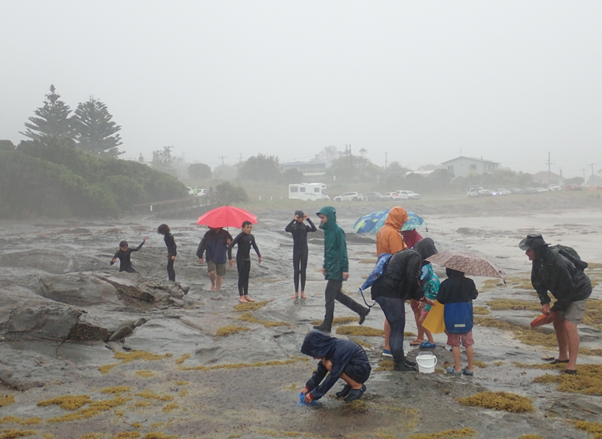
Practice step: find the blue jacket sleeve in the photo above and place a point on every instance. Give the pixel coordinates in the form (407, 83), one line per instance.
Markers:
(338, 368)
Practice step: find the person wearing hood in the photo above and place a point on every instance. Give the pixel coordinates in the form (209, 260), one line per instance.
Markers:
(426, 248)
(335, 268)
(338, 359)
(389, 240)
(399, 282)
(563, 276)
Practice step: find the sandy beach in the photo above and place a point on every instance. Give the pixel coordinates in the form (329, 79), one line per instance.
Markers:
(171, 375)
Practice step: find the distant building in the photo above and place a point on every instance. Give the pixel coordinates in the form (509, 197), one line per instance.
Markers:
(466, 166)
(312, 171)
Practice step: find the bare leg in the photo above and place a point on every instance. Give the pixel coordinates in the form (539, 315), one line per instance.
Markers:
(295, 296)
(428, 333)
(218, 283)
(469, 355)
(387, 335)
(417, 315)
(212, 277)
(563, 342)
(354, 384)
(303, 295)
(456, 353)
(572, 337)
(248, 298)
(242, 299)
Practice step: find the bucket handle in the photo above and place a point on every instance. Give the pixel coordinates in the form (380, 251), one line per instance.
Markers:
(418, 361)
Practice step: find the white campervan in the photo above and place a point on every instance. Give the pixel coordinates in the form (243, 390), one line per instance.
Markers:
(308, 191)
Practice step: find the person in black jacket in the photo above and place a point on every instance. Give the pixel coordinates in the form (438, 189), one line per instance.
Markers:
(343, 359)
(215, 242)
(399, 282)
(300, 250)
(123, 254)
(172, 251)
(245, 241)
(555, 272)
(458, 289)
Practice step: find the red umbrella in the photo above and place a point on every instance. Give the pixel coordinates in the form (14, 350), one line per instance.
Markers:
(226, 216)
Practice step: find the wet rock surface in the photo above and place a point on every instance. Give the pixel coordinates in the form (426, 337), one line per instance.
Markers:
(70, 324)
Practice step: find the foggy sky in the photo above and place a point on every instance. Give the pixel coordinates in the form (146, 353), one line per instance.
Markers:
(423, 81)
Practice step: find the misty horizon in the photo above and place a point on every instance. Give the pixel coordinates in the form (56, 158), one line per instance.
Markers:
(418, 84)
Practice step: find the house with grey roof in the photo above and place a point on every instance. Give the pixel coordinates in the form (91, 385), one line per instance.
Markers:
(467, 166)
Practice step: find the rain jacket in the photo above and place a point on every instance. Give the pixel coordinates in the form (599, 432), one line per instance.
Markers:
(215, 242)
(431, 286)
(411, 237)
(400, 280)
(558, 275)
(456, 288)
(341, 354)
(388, 238)
(335, 246)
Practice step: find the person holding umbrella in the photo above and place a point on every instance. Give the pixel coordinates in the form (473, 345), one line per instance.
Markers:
(215, 242)
(300, 250)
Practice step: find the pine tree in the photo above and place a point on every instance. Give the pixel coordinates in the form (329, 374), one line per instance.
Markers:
(95, 132)
(52, 120)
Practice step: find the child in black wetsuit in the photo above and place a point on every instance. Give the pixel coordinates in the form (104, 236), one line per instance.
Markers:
(300, 250)
(172, 252)
(243, 259)
(123, 254)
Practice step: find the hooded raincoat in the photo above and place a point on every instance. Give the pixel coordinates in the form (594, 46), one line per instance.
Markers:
(388, 238)
(346, 357)
(335, 246)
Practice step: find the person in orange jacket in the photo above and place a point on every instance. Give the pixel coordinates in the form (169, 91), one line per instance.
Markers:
(389, 240)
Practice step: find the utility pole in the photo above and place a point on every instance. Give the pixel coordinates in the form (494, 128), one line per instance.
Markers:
(583, 176)
(385, 160)
(549, 165)
(593, 180)
(222, 157)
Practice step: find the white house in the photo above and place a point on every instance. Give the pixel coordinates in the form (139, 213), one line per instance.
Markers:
(465, 166)
(312, 171)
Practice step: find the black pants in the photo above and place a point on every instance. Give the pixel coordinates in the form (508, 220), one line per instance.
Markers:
(300, 266)
(170, 271)
(395, 313)
(333, 292)
(244, 269)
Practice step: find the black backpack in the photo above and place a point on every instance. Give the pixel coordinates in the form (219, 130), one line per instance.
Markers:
(570, 253)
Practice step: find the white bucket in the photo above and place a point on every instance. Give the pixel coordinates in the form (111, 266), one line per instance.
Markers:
(426, 362)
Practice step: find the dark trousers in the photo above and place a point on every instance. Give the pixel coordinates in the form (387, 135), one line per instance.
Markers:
(244, 269)
(170, 271)
(300, 266)
(395, 313)
(333, 292)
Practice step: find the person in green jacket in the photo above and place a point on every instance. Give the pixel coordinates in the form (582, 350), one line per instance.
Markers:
(335, 268)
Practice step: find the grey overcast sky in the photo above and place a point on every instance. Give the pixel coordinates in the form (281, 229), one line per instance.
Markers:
(422, 81)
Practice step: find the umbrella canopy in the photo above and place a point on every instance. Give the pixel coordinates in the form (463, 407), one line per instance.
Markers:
(226, 216)
(471, 263)
(372, 222)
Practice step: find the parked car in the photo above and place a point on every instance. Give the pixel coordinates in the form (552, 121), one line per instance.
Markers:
(390, 196)
(349, 196)
(406, 195)
(375, 196)
(541, 189)
(478, 191)
(530, 190)
(573, 187)
(554, 188)
(501, 191)
(516, 190)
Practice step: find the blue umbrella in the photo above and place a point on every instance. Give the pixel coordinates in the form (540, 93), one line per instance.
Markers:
(372, 222)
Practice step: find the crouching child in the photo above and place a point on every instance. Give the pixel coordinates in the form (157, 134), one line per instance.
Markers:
(342, 359)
